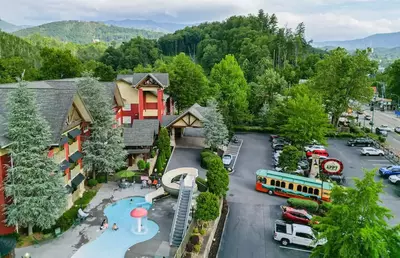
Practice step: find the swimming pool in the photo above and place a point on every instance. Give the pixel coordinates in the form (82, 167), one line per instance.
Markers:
(115, 243)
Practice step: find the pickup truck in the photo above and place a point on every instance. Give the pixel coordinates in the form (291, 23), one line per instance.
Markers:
(296, 234)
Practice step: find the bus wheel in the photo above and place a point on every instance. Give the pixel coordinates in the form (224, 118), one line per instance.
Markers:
(270, 192)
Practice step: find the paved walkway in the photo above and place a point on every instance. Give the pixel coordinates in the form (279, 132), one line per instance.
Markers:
(69, 242)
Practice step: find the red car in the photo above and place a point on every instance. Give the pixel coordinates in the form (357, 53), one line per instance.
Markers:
(296, 216)
(318, 152)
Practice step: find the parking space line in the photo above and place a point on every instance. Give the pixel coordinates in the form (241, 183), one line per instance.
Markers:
(296, 249)
(237, 153)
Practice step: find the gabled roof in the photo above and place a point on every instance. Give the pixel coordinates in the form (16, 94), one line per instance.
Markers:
(196, 110)
(136, 78)
(142, 133)
(115, 94)
(54, 99)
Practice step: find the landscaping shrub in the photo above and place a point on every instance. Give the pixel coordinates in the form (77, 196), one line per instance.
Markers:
(189, 247)
(206, 153)
(196, 230)
(197, 248)
(201, 184)
(160, 163)
(67, 219)
(245, 128)
(141, 164)
(195, 239)
(308, 205)
(92, 182)
(325, 206)
(147, 166)
(152, 153)
(203, 231)
(101, 178)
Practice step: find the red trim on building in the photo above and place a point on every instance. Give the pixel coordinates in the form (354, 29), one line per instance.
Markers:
(66, 150)
(141, 102)
(78, 139)
(160, 104)
(50, 154)
(4, 162)
(151, 106)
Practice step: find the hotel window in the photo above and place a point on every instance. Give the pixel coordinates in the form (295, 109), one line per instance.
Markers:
(127, 107)
(126, 120)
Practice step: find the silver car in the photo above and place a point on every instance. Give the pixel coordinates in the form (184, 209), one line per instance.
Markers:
(227, 160)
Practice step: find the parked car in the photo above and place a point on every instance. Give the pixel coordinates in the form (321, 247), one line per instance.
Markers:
(360, 142)
(321, 158)
(304, 164)
(385, 128)
(367, 117)
(279, 146)
(280, 141)
(314, 147)
(296, 234)
(360, 112)
(389, 171)
(367, 151)
(318, 152)
(273, 136)
(227, 160)
(378, 131)
(397, 129)
(395, 179)
(295, 215)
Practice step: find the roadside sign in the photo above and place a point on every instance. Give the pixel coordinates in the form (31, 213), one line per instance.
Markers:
(332, 166)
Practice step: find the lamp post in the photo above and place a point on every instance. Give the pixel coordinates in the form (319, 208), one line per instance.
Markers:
(372, 121)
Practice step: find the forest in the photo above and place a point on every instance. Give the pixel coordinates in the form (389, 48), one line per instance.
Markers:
(85, 32)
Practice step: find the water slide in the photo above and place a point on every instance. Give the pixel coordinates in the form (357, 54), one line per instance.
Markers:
(173, 187)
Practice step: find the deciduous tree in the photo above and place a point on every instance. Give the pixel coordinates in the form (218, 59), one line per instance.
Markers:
(215, 131)
(342, 77)
(34, 182)
(217, 178)
(207, 207)
(231, 90)
(104, 150)
(105, 73)
(58, 64)
(188, 84)
(356, 224)
(289, 158)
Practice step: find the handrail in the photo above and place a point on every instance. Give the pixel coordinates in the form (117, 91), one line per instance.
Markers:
(188, 208)
(178, 204)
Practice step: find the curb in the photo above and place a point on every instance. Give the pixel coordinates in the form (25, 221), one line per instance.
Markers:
(237, 156)
(172, 153)
(223, 231)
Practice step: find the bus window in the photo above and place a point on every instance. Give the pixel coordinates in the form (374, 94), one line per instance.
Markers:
(264, 180)
(291, 186)
(316, 191)
(259, 179)
(310, 190)
(272, 182)
(299, 188)
(278, 183)
(283, 185)
(304, 189)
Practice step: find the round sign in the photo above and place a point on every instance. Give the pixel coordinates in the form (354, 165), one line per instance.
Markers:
(332, 166)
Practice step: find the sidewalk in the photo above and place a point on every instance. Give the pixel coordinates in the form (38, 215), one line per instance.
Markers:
(70, 241)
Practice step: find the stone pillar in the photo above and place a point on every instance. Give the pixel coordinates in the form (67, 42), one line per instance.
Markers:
(160, 104)
(141, 104)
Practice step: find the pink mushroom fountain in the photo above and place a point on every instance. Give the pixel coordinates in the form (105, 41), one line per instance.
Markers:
(139, 213)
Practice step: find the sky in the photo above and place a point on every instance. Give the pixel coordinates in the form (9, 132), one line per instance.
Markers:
(324, 19)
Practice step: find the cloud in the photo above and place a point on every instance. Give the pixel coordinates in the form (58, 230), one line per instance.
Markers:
(324, 19)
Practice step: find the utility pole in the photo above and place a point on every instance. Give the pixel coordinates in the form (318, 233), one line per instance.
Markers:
(372, 121)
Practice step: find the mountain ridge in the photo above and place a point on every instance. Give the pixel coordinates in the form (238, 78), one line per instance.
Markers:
(83, 32)
(9, 27)
(166, 27)
(379, 40)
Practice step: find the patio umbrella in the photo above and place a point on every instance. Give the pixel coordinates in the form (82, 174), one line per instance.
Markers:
(125, 174)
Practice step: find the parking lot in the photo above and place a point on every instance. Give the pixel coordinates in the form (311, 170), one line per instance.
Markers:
(249, 228)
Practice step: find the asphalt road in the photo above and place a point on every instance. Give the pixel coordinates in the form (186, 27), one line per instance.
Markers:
(385, 118)
(186, 157)
(249, 227)
(354, 164)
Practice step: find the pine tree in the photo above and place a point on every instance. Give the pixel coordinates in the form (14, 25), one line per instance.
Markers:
(104, 150)
(164, 142)
(34, 181)
(215, 131)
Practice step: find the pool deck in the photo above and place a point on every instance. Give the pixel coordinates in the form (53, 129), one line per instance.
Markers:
(70, 241)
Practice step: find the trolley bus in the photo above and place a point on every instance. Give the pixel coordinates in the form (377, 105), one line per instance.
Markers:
(292, 186)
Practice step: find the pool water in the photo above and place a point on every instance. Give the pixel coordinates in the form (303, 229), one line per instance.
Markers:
(115, 243)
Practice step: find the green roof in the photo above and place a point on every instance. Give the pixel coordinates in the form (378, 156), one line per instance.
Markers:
(294, 178)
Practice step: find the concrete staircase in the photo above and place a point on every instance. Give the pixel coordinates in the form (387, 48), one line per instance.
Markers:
(180, 222)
